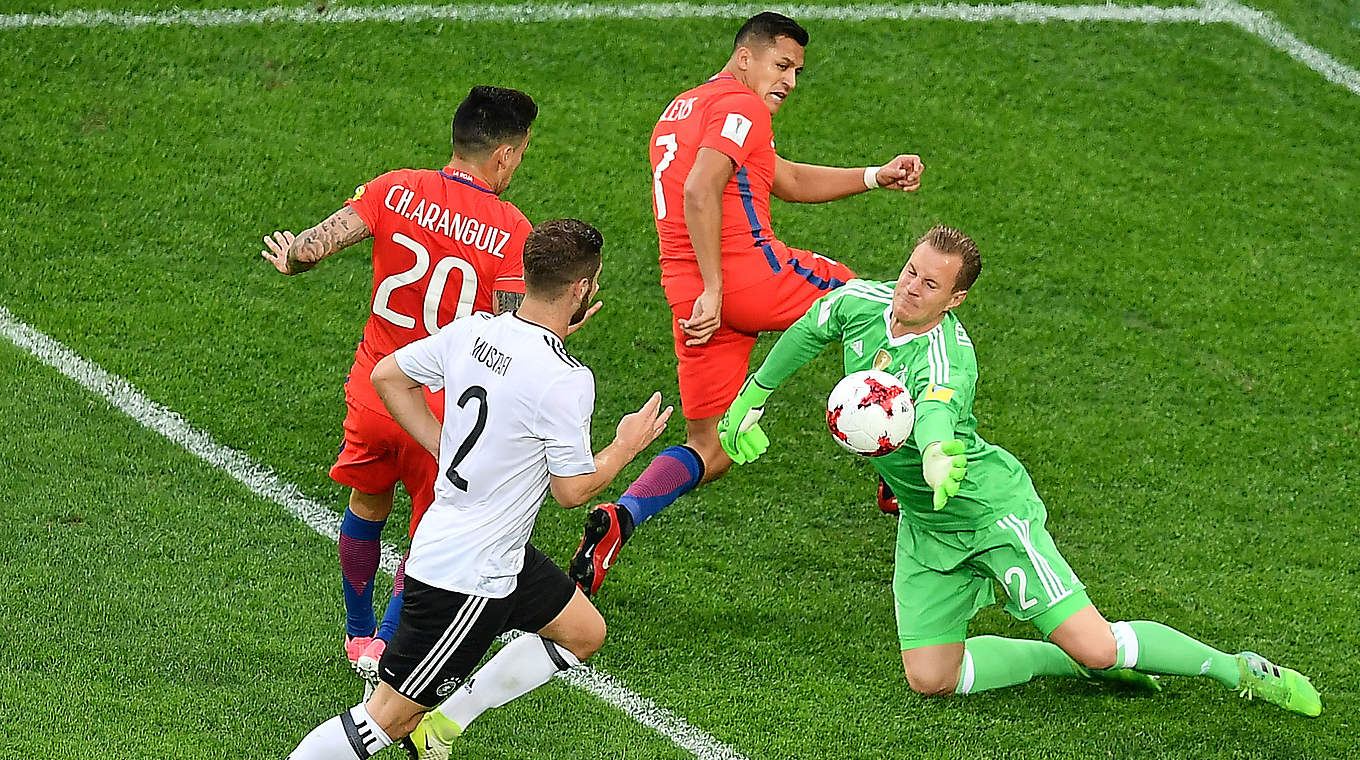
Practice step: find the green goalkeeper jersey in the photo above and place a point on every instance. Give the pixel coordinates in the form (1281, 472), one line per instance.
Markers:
(939, 369)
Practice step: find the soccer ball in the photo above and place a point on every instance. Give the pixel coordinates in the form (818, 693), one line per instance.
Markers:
(870, 413)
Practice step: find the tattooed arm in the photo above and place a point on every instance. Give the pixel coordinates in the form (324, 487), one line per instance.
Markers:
(293, 255)
(507, 301)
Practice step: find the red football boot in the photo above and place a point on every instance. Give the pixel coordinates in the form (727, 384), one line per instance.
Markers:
(887, 500)
(607, 527)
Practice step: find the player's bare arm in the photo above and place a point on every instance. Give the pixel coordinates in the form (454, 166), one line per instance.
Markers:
(294, 255)
(405, 401)
(809, 183)
(704, 186)
(634, 434)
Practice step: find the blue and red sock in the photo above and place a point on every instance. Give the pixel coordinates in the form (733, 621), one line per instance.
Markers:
(674, 473)
(360, 548)
(392, 616)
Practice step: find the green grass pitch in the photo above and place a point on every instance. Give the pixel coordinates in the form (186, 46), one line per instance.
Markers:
(1167, 323)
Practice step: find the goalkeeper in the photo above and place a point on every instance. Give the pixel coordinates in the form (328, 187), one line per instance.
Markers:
(969, 512)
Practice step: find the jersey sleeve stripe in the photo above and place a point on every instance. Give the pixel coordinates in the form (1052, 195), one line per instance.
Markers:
(561, 352)
(859, 290)
(938, 357)
(944, 358)
(931, 361)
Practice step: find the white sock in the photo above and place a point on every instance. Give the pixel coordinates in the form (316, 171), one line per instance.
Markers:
(352, 734)
(520, 667)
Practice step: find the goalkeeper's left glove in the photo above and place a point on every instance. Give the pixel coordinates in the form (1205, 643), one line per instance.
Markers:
(738, 431)
(944, 465)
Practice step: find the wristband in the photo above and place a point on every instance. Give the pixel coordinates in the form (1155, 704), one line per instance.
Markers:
(871, 177)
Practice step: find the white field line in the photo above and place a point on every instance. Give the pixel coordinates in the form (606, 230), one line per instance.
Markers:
(1255, 22)
(1278, 36)
(551, 12)
(262, 481)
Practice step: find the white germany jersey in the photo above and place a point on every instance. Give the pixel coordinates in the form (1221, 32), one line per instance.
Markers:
(517, 407)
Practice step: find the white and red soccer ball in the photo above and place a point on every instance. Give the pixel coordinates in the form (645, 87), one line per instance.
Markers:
(870, 413)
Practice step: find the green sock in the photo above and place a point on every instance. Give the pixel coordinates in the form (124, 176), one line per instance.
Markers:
(991, 662)
(1155, 648)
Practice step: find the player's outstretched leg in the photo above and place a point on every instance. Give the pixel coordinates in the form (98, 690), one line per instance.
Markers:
(993, 662)
(1155, 648)
(673, 473)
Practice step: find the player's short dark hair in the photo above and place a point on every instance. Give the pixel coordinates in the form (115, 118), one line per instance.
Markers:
(558, 253)
(490, 117)
(764, 27)
(948, 240)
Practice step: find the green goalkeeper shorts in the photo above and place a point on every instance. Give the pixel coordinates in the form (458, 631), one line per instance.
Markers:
(942, 578)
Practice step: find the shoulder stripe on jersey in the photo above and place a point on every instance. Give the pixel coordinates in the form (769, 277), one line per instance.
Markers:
(873, 297)
(865, 287)
(561, 351)
(886, 287)
(853, 289)
(846, 290)
(937, 357)
(944, 355)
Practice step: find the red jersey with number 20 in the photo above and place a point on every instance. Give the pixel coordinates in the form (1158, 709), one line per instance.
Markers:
(442, 244)
(727, 116)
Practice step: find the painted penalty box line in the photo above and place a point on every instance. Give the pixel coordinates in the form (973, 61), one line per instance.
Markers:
(262, 481)
(1254, 22)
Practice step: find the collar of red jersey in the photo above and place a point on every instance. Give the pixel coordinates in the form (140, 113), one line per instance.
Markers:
(458, 175)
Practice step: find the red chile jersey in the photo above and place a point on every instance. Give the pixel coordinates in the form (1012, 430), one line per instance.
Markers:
(442, 243)
(728, 116)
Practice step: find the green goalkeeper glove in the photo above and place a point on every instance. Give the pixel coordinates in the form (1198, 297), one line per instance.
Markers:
(738, 431)
(944, 465)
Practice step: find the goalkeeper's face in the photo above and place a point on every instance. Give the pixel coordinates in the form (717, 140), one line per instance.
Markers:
(925, 289)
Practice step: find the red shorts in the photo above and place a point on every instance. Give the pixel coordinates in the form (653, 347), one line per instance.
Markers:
(377, 452)
(711, 374)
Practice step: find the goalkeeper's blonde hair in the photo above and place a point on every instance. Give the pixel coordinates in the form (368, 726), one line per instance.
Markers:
(950, 241)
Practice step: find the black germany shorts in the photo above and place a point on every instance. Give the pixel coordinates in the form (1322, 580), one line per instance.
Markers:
(442, 635)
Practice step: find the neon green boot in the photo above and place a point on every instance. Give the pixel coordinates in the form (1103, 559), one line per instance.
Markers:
(1287, 688)
(432, 738)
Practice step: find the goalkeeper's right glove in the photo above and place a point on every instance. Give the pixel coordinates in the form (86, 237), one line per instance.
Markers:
(738, 431)
(944, 465)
